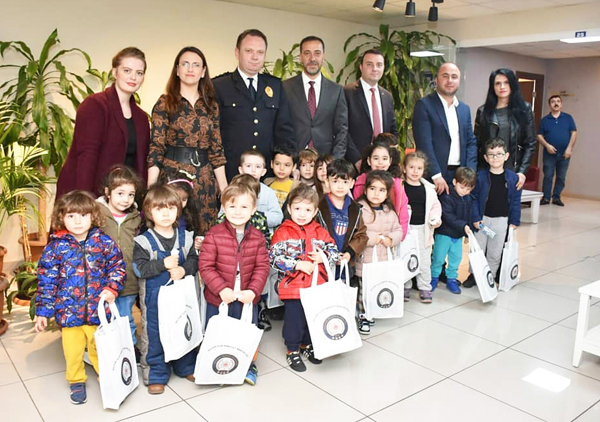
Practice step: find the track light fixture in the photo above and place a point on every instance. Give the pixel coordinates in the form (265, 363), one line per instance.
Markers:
(378, 5)
(410, 11)
(433, 12)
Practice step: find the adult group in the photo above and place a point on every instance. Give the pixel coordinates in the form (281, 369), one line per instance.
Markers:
(201, 126)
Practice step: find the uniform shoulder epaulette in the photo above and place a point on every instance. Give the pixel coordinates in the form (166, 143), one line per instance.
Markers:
(221, 75)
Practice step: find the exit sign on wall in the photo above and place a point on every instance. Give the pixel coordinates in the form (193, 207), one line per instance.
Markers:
(580, 34)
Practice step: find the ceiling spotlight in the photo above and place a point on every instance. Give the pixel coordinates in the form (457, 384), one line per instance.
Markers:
(410, 9)
(437, 1)
(378, 5)
(433, 13)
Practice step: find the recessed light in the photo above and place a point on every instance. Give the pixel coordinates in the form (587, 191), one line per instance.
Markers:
(579, 40)
(425, 53)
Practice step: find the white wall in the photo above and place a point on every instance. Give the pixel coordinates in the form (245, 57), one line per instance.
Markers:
(580, 79)
(476, 65)
(160, 29)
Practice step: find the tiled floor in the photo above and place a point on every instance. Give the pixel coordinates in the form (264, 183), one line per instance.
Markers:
(454, 360)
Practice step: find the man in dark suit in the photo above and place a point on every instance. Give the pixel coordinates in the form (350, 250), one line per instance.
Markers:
(442, 129)
(317, 105)
(370, 107)
(254, 109)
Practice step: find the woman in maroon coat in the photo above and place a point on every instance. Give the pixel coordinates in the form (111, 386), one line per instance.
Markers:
(109, 129)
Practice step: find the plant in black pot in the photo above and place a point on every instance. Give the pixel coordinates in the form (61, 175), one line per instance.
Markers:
(26, 287)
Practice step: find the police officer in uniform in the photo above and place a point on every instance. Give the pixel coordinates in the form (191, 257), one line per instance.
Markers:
(253, 107)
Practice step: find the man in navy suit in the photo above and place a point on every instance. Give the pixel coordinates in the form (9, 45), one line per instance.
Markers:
(370, 107)
(254, 112)
(442, 129)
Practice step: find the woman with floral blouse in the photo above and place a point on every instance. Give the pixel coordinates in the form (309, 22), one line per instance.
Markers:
(186, 136)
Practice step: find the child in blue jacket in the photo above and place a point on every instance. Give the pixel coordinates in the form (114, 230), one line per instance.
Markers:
(79, 265)
(496, 203)
(456, 223)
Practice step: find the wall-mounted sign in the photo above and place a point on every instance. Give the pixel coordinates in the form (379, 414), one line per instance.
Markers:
(580, 34)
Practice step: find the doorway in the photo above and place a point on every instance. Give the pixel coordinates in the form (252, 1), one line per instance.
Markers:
(532, 90)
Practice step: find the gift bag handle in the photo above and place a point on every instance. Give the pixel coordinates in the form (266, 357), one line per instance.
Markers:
(330, 276)
(473, 245)
(375, 257)
(102, 311)
(247, 313)
(511, 235)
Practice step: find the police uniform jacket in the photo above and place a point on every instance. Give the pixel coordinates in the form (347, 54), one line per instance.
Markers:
(246, 124)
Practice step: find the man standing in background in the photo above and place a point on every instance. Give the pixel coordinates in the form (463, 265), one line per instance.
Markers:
(557, 134)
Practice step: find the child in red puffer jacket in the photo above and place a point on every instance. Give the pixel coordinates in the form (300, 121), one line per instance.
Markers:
(294, 253)
(233, 261)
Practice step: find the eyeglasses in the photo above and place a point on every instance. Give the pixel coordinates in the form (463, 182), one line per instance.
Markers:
(499, 155)
(194, 65)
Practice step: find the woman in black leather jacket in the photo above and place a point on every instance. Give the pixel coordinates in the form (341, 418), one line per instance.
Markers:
(506, 115)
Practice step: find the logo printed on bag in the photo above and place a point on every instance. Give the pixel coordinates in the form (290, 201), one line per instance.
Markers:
(126, 371)
(187, 331)
(335, 327)
(514, 273)
(490, 279)
(385, 298)
(276, 287)
(225, 364)
(413, 263)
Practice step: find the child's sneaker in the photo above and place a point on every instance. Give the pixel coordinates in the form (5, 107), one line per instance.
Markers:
(309, 353)
(252, 375)
(363, 325)
(469, 282)
(295, 361)
(263, 319)
(425, 296)
(78, 394)
(452, 286)
(434, 283)
(407, 295)
(371, 322)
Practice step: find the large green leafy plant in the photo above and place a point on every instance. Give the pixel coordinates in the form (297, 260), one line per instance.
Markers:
(408, 78)
(33, 93)
(289, 65)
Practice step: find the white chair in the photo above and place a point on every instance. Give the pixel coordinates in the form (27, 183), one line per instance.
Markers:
(586, 340)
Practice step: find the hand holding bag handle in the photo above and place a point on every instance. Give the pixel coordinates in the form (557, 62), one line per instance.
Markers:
(330, 275)
(473, 245)
(375, 257)
(114, 312)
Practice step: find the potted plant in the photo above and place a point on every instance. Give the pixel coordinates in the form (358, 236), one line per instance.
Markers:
(21, 181)
(34, 93)
(408, 78)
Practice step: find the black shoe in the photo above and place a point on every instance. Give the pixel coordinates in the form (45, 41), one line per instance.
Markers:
(544, 201)
(309, 353)
(263, 320)
(558, 202)
(295, 361)
(469, 282)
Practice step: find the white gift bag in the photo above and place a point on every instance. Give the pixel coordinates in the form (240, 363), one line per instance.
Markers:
(228, 348)
(179, 322)
(509, 270)
(273, 289)
(481, 271)
(383, 293)
(116, 357)
(329, 309)
(408, 253)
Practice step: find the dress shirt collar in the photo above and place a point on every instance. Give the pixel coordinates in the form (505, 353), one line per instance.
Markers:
(245, 78)
(367, 87)
(445, 103)
(306, 80)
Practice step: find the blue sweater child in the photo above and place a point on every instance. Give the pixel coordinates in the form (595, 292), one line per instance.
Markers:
(456, 223)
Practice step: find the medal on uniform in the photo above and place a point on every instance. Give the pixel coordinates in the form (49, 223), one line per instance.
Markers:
(269, 91)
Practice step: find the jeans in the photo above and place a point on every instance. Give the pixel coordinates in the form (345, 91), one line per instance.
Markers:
(559, 163)
(125, 307)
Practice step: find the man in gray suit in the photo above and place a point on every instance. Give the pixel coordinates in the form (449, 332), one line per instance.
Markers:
(317, 105)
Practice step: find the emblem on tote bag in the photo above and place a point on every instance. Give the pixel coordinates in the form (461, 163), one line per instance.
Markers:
(490, 279)
(335, 327)
(385, 298)
(413, 263)
(514, 273)
(225, 364)
(187, 331)
(126, 371)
